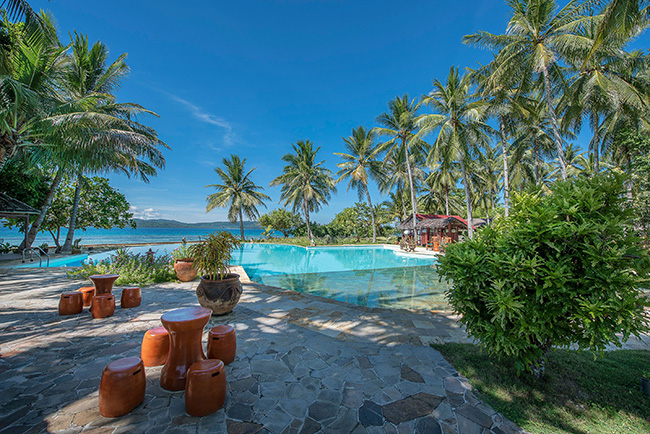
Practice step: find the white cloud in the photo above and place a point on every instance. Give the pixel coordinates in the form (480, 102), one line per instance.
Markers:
(144, 214)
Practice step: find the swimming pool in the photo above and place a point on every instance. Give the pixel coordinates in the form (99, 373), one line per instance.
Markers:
(373, 276)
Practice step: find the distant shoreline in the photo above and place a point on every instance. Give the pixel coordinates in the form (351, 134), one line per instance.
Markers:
(175, 224)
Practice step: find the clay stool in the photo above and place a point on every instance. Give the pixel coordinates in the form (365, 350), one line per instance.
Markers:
(185, 327)
(222, 343)
(155, 347)
(103, 306)
(131, 297)
(71, 303)
(122, 387)
(206, 387)
(88, 293)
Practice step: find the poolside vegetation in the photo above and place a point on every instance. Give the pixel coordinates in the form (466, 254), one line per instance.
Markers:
(565, 269)
(579, 394)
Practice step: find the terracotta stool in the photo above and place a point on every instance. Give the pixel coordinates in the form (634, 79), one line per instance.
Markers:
(155, 347)
(122, 387)
(71, 303)
(205, 391)
(131, 297)
(222, 343)
(103, 306)
(88, 293)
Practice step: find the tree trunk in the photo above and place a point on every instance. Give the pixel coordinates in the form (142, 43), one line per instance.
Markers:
(556, 129)
(414, 205)
(447, 199)
(306, 211)
(468, 201)
(536, 151)
(44, 209)
(372, 216)
(404, 213)
(67, 246)
(241, 224)
(595, 143)
(506, 176)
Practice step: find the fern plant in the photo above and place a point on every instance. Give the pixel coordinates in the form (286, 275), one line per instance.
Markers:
(213, 254)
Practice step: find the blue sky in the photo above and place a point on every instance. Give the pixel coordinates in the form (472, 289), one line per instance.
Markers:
(253, 77)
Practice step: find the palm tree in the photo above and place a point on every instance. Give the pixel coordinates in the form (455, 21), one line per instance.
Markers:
(359, 165)
(306, 184)
(462, 130)
(394, 174)
(237, 191)
(400, 123)
(537, 37)
(443, 177)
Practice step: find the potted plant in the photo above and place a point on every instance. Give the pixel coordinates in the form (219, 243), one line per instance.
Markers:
(219, 289)
(44, 247)
(645, 382)
(184, 264)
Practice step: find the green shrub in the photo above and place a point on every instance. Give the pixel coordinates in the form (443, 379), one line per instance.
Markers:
(564, 269)
(133, 268)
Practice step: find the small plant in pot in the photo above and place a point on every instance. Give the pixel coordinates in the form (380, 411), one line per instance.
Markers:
(184, 263)
(219, 289)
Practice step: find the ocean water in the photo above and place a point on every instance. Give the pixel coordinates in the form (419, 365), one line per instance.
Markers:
(126, 235)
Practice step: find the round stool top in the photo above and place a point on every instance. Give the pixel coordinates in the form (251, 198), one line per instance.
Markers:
(104, 296)
(157, 333)
(131, 289)
(72, 294)
(124, 365)
(222, 330)
(207, 366)
(187, 316)
(104, 276)
(86, 288)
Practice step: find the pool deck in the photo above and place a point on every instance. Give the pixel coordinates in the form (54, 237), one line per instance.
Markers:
(304, 364)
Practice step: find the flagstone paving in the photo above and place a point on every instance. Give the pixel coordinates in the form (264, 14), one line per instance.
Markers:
(304, 365)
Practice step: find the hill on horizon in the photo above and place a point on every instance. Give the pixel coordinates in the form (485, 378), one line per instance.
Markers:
(165, 223)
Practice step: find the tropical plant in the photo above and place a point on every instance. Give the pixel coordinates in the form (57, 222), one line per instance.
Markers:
(306, 184)
(564, 270)
(359, 165)
(400, 123)
(181, 252)
(280, 220)
(212, 254)
(236, 191)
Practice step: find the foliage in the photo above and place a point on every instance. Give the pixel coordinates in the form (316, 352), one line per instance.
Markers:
(133, 268)
(212, 254)
(580, 394)
(182, 252)
(24, 182)
(564, 269)
(280, 220)
(100, 206)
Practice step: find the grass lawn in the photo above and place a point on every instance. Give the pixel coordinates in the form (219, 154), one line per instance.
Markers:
(580, 394)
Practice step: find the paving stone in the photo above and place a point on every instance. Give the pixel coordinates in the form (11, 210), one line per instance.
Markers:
(411, 407)
(236, 427)
(466, 426)
(321, 410)
(240, 411)
(453, 385)
(408, 374)
(371, 414)
(474, 414)
(295, 407)
(427, 425)
(310, 426)
(344, 423)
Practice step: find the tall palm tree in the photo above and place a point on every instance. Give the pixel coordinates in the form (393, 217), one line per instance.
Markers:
(537, 37)
(443, 177)
(237, 191)
(394, 174)
(400, 123)
(359, 165)
(462, 129)
(306, 184)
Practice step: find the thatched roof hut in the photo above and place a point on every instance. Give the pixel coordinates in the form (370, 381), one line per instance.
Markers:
(433, 221)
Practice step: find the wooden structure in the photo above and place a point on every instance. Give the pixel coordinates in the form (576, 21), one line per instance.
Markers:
(14, 209)
(433, 230)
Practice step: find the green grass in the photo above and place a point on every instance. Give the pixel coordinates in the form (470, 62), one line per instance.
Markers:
(580, 394)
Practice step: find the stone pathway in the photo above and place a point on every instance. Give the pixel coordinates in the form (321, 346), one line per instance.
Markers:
(304, 365)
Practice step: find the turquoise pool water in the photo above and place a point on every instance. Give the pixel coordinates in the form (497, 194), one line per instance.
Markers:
(371, 276)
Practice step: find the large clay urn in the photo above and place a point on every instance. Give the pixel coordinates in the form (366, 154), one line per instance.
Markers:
(220, 296)
(184, 269)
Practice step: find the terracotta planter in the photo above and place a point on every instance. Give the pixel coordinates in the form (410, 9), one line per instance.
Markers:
(220, 296)
(184, 269)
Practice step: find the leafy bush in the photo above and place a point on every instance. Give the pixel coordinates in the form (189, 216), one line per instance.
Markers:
(133, 268)
(182, 252)
(564, 269)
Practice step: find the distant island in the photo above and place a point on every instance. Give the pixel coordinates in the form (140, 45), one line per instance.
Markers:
(164, 223)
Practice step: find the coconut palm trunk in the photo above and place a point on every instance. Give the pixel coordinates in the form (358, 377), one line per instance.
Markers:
(306, 211)
(414, 205)
(556, 128)
(33, 230)
(447, 199)
(372, 216)
(506, 176)
(468, 201)
(595, 143)
(67, 246)
(241, 223)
